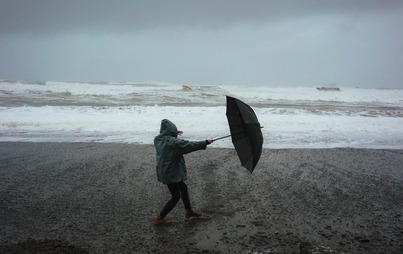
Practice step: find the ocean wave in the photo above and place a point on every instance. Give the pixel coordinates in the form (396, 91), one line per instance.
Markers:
(131, 112)
(253, 95)
(284, 127)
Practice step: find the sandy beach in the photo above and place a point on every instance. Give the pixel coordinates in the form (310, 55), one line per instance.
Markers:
(102, 198)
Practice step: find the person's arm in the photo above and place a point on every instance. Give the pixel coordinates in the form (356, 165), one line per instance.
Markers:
(185, 146)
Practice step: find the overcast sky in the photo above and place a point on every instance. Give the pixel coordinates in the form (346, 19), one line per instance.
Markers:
(250, 42)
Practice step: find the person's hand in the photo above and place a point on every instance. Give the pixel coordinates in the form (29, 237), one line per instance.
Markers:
(180, 133)
(209, 141)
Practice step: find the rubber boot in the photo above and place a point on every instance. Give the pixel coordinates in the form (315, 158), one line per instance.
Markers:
(192, 214)
(161, 221)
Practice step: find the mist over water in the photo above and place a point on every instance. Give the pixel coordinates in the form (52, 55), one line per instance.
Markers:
(293, 117)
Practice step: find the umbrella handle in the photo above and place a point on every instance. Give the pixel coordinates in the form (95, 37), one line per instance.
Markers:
(230, 135)
(221, 138)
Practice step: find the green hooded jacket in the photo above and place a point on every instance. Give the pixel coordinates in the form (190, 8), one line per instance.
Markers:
(170, 163)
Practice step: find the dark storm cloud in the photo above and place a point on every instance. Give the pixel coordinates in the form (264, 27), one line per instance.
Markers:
(301, 42)
(102, 16)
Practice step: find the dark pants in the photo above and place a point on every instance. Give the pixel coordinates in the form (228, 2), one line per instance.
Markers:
(178, 191)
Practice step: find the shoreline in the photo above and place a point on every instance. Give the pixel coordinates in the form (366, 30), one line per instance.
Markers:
(102, 197)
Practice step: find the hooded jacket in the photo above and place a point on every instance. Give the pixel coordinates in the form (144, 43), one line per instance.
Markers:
(170, 163)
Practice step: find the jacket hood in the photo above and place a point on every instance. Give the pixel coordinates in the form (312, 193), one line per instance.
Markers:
(168, 128)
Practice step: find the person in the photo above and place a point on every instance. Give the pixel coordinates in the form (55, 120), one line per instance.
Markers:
(171, 168)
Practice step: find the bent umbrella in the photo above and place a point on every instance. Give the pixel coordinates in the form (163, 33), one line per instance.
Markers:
(246, 132)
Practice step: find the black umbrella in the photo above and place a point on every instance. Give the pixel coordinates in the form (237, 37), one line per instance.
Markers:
(246, 132)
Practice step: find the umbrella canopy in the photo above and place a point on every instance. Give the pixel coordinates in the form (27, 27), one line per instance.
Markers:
(246, 132)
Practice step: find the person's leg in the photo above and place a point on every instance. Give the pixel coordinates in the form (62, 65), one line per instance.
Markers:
(175, 196)
(186, 201)
(184, 195)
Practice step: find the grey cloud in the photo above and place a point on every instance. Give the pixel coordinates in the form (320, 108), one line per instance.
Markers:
(105, 16)
(353, 43)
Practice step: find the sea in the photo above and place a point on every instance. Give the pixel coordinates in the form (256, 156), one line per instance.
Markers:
(126, 112)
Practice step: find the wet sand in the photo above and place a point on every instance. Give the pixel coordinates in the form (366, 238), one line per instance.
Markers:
(102, 198)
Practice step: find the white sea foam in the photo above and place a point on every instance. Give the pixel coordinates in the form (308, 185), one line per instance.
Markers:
(126, 112)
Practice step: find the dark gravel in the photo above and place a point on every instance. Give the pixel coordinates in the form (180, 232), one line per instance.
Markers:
(102, 198)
